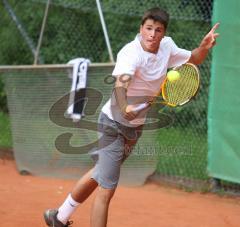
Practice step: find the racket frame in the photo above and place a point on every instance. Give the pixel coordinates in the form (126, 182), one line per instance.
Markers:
(163, 94)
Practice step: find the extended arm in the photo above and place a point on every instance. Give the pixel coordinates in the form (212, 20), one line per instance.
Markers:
(200, 53)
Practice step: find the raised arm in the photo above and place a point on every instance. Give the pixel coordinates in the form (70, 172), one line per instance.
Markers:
(200, 53)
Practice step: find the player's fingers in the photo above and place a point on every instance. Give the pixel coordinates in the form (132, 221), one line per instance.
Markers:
(214, 36)
(129, 116)
(214, 28)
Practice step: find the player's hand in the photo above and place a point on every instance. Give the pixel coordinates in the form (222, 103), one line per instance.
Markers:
(210, 39)
(129, 113)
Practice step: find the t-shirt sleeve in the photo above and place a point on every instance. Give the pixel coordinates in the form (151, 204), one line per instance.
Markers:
(126, 63)
(178, 56)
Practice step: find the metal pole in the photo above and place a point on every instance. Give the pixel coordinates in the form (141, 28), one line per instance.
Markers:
(105, 31)
(19, 26)
(41, 33)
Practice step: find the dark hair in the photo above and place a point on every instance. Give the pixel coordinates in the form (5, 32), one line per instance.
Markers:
(156, 14)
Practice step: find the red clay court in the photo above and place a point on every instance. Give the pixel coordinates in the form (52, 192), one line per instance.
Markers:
(24, 198)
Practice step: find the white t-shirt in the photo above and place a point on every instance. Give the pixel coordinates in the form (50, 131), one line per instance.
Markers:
(148, 71)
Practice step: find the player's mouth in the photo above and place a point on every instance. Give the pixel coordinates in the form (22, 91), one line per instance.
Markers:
(151, 43)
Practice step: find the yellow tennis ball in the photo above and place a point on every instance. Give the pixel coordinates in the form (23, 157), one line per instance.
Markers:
(173, 75)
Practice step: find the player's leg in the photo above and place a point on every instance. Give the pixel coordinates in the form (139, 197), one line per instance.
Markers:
(84, 187)
(107, 169)
(99, 213)
(106, 173)
(81, 191)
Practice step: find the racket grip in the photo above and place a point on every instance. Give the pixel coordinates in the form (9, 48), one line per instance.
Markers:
(140, 106)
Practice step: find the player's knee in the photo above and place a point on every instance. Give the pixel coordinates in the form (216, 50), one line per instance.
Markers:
(105, 195)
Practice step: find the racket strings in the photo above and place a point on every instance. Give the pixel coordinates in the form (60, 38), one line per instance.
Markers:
(183, 89)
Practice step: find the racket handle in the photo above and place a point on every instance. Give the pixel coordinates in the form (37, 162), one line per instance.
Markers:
(140, 106)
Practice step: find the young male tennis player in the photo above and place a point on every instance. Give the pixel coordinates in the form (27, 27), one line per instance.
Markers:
(140, 69)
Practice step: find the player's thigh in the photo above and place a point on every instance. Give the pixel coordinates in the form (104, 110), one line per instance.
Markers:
(107, 168)
(130, 140)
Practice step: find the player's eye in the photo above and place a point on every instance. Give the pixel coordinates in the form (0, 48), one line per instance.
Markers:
(159, 30)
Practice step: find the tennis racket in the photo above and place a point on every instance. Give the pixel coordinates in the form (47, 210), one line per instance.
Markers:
(178, 92)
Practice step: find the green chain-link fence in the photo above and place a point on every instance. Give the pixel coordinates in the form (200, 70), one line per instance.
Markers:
(73, 28)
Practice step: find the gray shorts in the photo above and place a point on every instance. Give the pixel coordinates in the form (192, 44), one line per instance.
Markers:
(115, 144)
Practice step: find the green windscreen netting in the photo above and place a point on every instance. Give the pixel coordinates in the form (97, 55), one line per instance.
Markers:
(224, 105)
(45, 141)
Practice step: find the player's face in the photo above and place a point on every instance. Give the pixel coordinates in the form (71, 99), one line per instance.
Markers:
(152, 33)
